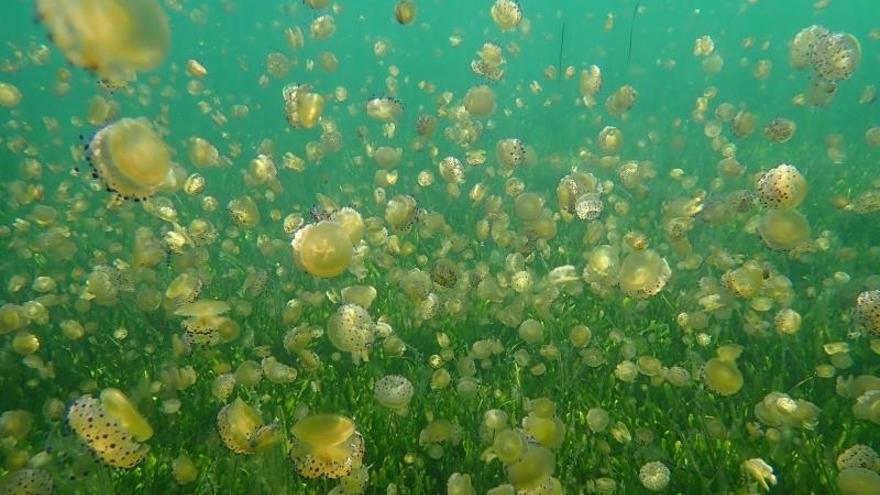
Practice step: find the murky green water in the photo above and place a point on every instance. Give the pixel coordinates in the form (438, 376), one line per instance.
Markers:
(435, 246)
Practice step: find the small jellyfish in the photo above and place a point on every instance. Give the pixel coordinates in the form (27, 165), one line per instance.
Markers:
(507, 14)
(26, 481)
(480, 101)
(242, 429)
(10, 96)
(112, 38)
(644, 273)
(131, 159)
(784, 229)
(324, 249)
(111, 427)
(394, 392)
(590, 84)
(868, 310)
(654, 476)
(780, 130)
(589, 206)
(621, 101)
(721, 374)
(351, 329)
(384, 108)
(405, 12)
(326, 445)
(783, 187)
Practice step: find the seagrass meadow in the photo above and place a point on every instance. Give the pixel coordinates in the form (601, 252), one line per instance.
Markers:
(422, 247)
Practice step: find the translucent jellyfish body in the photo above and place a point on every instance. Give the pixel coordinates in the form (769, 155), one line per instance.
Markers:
(721, 374)
(324, 250)
(782, 187)
(654, 476)
(27, 482)
(351, 329)
(111, 427)
(394, 392)
(113, 38)
(326, 445)
(644, 274)
(507, 14)
(130, 158)
(784, 229)
(242, 429)
(868, 310)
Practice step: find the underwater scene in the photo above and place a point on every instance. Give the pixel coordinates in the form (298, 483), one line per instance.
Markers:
(440, 247)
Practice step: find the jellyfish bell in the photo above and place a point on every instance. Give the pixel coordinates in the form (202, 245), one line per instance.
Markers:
(326, 445)
(113, 38)
(394, 392)
(242, 429)
(784, 229)
(480, 101)
(351, 329)
(405, 12)
(644, 273)
(384, 108)
(324, 249)
(131, 159)
(780, 130)
(507, 14)
(782, 187)
(868, 310)
(111, 427)
(26, 481)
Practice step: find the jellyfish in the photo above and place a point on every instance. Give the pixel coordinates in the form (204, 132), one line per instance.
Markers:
(860, 456)
(858, 481)
(405, 12)
(480, 101)
(782, 187)
(394, 392)
(721, 374)
(644, 274)
(26, 481)
(351, 329)
(868, 310)
(384, 108)
(111, 427)
(242, 429)
(324, 249)
(528, 206)
(780, 130)
(784, 229)
(507, 14)
(10, 96)
(131, 159)
(112, 38)
(326, 445)
(654, 476)
(533, 468)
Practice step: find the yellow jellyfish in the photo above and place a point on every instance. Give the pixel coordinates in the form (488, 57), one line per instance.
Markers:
(113, 38)
(10, 96)
(131, 159)
(610, 140)
(26, 481)
(384, 108)
(644, 274)
(405, 12)
(858, 481)
(780, 130)
(507, 14)
(111, 427)
(721, 374)
(782, 187)
(868, 310)
(535, 465)
(351, 329)
(784, 229)
(324, 250)
(242, 429)
(480, 101)
(394, 392)
(326, 445)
